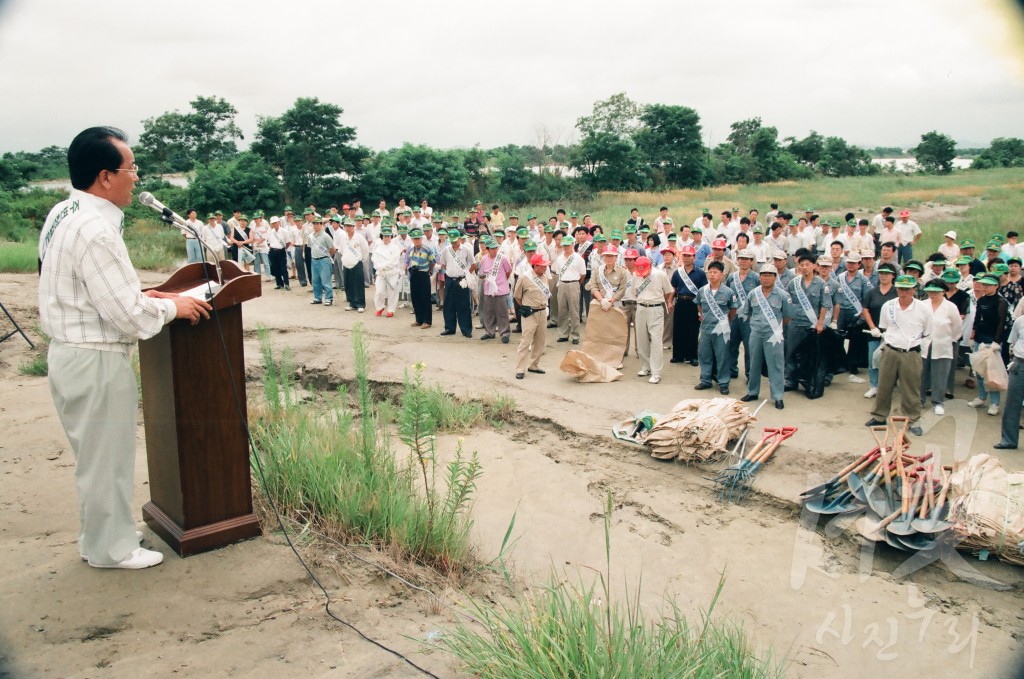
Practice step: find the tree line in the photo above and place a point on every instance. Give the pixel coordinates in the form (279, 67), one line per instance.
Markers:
(309, 155)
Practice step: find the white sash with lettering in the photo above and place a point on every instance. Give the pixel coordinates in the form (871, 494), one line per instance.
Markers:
(565, 267)
(769, 315)
(605, 283)
(687, 282)
(491, 281)
(540, 285)
(722, 326)
(741, 294)
(850, 297)
(805, 303)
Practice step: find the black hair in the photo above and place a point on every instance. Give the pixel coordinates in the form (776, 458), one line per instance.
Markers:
(559, 233)
(741, 235)
(936, 257)
(849, 216)
(889, 220)
(839, 243)
(886, 210)
(936, 281)
(863, 222)
(744, 220)
(656, 237)
(889, 243)
(494, 207)
(774, 206)
(1012, 234)
(806, 256)
(776, 226)
(662, 208)
(632, 210)
(559, 211)
(93, 151)
(715, 264)
(726, 213)
(596, 228)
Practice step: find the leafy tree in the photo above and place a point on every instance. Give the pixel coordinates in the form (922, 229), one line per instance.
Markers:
(935, 153)
(416, 172)
(245, 182)
(840, 159)
(15, 171)
(807, 150)
(617, 115)
(177, 142)
(513, 177)
(752, 154)
(315, 154)
(1003, 152)
(669, 139)
(607, 156)
(162, 147)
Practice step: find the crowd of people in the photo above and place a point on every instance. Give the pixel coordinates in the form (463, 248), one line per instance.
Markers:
(805, 298)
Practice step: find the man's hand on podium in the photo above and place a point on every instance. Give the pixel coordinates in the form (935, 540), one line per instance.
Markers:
(189, 307)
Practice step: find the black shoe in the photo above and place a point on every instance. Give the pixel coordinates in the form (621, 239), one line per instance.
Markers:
(316, 301)
(552, 325)
(487, 337)
(539, 371)
(702, 386)
(694, 362)
(517, 330)
(676, 360)
(575, 341)
(915, 430)
(874, 423)
(520, 376)
(302, 284)
(504, 339)
(949, 396)
(447, 332)
(723, 390)
(734, 374)
(747, 398)
(562, 339)
(1004, 446)
(278, 287)
(469, 336)
(779, 405)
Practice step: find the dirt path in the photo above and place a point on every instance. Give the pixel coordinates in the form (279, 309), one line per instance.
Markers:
(249, 607)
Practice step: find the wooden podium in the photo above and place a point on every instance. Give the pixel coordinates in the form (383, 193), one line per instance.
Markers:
(196, 444)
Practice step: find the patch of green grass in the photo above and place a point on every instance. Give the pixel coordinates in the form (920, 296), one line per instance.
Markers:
(19, 257)
(337, 469)
(154, 245)
(572, 629)
(37, 365)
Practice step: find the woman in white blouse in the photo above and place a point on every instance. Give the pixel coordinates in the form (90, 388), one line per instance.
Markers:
(937, 348)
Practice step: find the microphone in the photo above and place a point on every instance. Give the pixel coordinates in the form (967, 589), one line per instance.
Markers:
(168, 215)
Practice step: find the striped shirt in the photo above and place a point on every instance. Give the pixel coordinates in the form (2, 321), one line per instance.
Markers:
(89, 293)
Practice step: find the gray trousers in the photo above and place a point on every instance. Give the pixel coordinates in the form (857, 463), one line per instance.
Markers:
(774, 356)
(494, 315)
(97, 400)
(1011, 409)
(934, 373)
(649, 327)
(712, 348)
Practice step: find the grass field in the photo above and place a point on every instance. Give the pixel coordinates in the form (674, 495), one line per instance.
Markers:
(18, 257)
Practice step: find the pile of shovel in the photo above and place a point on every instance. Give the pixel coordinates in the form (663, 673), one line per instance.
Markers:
(904, 496)
(735, 481)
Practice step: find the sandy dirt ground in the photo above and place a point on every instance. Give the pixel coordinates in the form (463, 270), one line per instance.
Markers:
(829, 606)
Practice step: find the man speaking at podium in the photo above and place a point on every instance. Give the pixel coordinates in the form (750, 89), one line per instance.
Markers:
(92, 306)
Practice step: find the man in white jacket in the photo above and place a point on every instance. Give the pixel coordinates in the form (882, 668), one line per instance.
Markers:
(387, 261)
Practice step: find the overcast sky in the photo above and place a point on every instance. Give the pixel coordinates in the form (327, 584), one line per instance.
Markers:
(449, 73)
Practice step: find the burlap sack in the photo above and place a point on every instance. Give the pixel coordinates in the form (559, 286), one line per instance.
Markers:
(602, 348)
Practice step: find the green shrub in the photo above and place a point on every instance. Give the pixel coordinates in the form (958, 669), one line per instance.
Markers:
(19, 257)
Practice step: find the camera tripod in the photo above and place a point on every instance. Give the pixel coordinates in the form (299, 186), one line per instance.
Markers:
(17, 328)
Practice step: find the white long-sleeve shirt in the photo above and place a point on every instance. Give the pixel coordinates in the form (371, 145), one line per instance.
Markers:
(947, 327)
(387, 257)
(89, 293)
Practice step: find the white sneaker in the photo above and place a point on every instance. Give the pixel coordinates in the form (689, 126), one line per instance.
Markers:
(350, 308)
(976, 403)
(402, 305)
(871, 393)
(138, 534)
(939, 410)
(993, 409)
(643, 373)
(655, 379)
(856, 379)
(139, 558)
(360, 309)
(619, 366)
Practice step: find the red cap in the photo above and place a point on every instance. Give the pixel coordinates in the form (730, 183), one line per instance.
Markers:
(345, 206)
(643, 267)
(539, 260)
(610, 250)
(719, 244)
(904, 213)
(669, 248)
(631, 254)
(688, 250)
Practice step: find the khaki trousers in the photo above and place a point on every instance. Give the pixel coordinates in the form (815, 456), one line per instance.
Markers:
(902, 370)
(531, 345)
(650, 324)
(97, 400)
(569, 310)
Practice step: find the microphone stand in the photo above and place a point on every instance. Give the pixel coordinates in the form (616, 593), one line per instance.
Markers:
(168, 217)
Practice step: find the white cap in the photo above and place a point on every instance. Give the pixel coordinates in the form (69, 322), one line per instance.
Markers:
(275, 219)
(768, 268)
(950, 234)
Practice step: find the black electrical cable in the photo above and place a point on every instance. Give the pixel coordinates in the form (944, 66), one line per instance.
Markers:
(263, 482)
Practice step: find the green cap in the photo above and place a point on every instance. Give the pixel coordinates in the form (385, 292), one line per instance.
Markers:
(915, 265)
(810, 209)
(219, 213)
(574, 214)
(758, 229)
(962, 260)
(999, 238)
(529, 246)
(386, 231)
(499, 232)
(852, 222)
(415, 233)
(705, 211)
(210, 215)
(967, 243)
(600, 238)
(645, 229)
(375, 213)
(348, 222)
(529, 217)
(934, 285)
(697, 229)
(258, 213)
(513, 216)
(567, 240)
(437, 219)
(549, 228)
(307, 211)
(288, 208)
(453, 233)
(403, 229)
(993, 245)
(987, 279)
(336, 218)
(630, 228)
(794, 222)
(950, 276)
(316, 220)
(523, 232)
(906, 282)
(490, 244)
(673, 236)
(616, 234)
(1000, 268)
(667, 220)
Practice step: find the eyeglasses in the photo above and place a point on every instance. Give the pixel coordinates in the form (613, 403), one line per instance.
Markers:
(134, 169)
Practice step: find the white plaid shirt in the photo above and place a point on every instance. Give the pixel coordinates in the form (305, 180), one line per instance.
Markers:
(89, 293)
